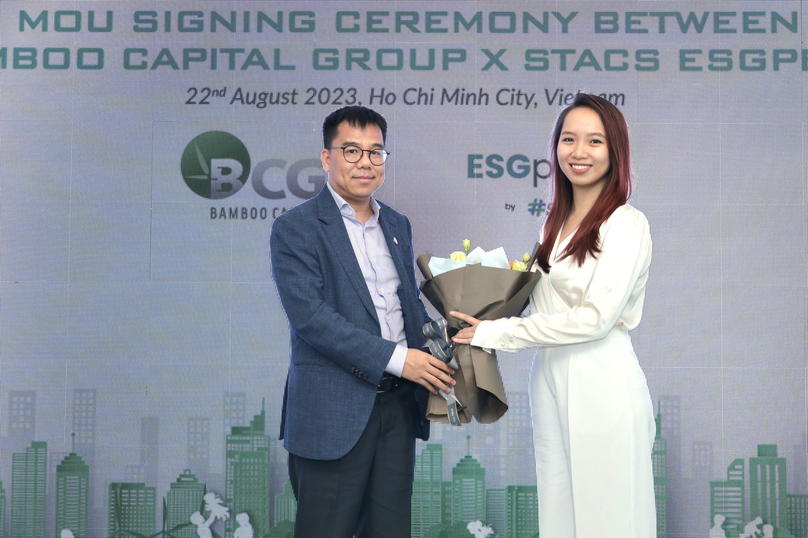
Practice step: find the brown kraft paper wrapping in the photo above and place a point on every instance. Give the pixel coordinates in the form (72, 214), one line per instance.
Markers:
(484, 293)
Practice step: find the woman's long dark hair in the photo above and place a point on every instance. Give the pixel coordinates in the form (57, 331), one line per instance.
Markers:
(615, 192)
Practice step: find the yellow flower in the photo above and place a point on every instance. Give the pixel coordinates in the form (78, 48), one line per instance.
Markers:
(466, 245)
(519, 266)
(526, 257)
(458, 256)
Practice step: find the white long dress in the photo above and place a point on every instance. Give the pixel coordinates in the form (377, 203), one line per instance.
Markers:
(593, 423)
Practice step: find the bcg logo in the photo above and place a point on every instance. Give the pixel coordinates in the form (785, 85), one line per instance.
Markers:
(216, 165)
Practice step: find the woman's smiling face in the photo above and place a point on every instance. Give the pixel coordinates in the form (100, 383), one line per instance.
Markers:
(583, 150)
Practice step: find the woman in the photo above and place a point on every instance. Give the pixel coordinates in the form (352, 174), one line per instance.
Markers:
(593, 423)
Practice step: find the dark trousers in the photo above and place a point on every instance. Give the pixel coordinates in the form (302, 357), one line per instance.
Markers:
(367, 492)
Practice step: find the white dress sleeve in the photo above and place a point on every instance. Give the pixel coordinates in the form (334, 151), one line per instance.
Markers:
(612, 297)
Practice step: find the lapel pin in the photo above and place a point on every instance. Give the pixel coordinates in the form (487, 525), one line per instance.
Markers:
(395, 241)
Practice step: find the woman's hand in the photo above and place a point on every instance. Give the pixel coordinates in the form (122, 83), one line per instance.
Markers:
(465, 336)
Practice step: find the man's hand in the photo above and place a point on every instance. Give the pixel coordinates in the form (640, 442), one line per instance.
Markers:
(426, 370)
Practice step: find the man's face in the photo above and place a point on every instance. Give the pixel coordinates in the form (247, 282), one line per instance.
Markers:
(355, 182)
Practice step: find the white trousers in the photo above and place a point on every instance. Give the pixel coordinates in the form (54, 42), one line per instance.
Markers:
(593, 430)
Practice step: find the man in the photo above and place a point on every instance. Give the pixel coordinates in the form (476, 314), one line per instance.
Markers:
(355, 395)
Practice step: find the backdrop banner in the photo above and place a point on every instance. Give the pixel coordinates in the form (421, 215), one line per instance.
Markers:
(147, 146)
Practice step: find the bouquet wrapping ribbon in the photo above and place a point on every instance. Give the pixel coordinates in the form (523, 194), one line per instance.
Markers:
(484, 293)
(440, 346)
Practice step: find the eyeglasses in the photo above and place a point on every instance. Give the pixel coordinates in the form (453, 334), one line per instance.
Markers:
(353, 154)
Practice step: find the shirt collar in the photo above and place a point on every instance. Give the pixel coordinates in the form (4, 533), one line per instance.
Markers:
(347, 211)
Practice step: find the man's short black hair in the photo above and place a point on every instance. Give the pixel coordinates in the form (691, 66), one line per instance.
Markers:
(356, 116)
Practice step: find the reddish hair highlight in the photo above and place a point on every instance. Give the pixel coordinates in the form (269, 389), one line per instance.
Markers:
(616, 190)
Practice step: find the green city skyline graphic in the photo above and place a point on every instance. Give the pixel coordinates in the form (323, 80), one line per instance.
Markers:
(769, 502)
(753, 498)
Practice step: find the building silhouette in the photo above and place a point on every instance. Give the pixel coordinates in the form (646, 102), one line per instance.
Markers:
(521, 511)
(488, 443)
(671, 430)
(285, 504)
(727, 497)
(84, 418)
(247, 475)
(198, 447)
(468, 490)
(134, 473)
(21, 418)
(150, 448)
(184, 497)
(702, 471)
(55, 457)
(517, 460)
(798, 464)
(798, 515)
(2, 511)
(279, 466)
(659, 463)
(495, 511)
(446, 503)
(427, 489)
(85, 403)
(701, 459)
(518, 432)
(28, 489)
(513, 511)
(131, 509)
(234, 411)
(767, 487)
(72, 495)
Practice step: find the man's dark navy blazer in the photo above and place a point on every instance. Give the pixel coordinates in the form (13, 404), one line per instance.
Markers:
(338, 355)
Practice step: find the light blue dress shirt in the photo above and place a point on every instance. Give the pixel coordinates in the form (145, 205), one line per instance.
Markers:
(381, 276)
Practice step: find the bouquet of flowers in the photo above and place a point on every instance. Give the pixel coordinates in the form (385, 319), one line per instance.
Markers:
(486, 286)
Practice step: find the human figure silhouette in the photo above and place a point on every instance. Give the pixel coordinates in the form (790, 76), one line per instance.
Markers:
(751, 529)
(66, 533)
(768, 531)
(213, 504)
(478, 530)
(245, 529)
(203, 525)
(717, 531)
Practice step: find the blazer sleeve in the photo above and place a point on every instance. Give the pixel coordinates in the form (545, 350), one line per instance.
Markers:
(297, 271)
(619, 277)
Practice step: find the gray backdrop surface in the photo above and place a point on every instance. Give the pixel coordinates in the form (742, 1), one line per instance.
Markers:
(120, 284)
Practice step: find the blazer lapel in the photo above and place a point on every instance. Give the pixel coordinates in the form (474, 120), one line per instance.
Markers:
(334, 228)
